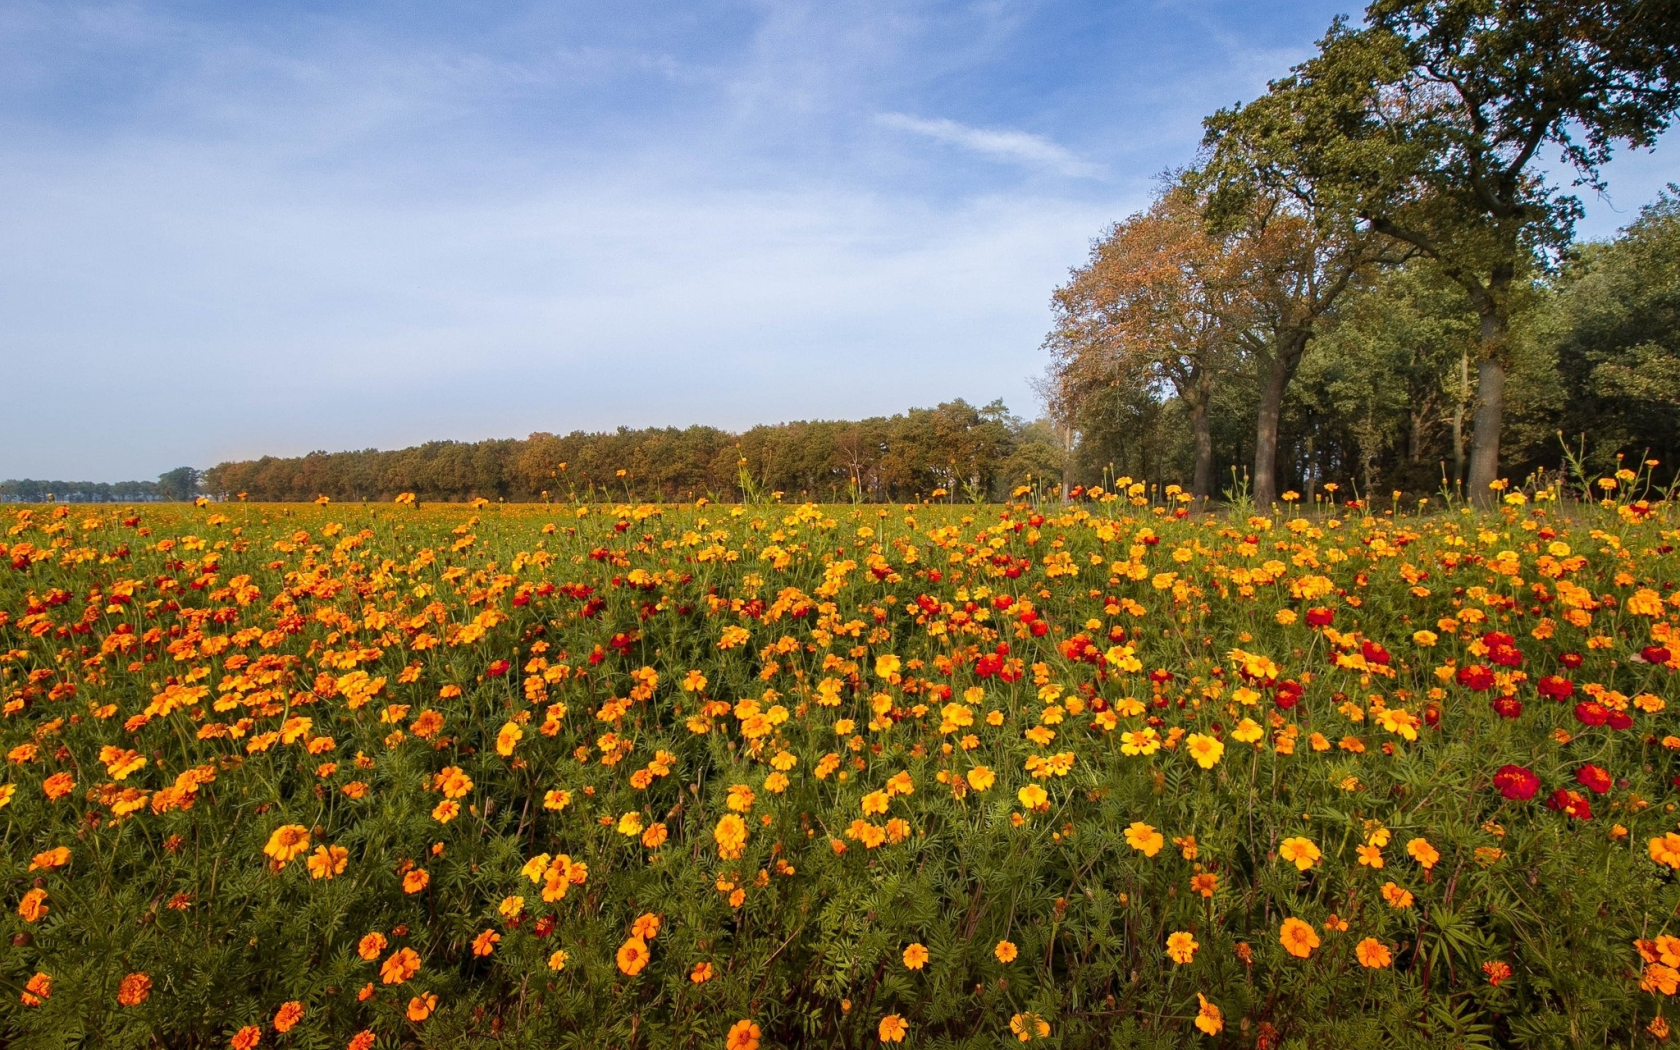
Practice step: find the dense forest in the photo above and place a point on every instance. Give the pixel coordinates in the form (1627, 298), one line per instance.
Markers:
(955, 449)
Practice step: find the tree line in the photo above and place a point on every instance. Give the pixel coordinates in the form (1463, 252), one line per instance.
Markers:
(1367, 275)
(956, 450)
(178, 484)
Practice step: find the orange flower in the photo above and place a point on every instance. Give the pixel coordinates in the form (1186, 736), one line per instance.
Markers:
(1422, 852)
(416, 880)
(38, 988)
(915, 956)
(1298, 938)
(57, 857)
(633, 956)
(135, 989)
(1497, 972)
(485, 943)
(557, 961)
(58, 785)
(287, 842)
(287, 1017)
(646, 926)
(701, 973)
(1005, 952)
(33, 906)
(403, 964)
(362, 1040)
(1373, 954)
(892, 1029)
(370, 946)
(743, 1035)
(421, 1006)
(1209, 1018)
(1181, 947)
(246, 1038)
(328, 861)
(1396, 896)
(731, 836)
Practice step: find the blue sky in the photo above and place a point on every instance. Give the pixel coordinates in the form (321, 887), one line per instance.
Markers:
(249, 228)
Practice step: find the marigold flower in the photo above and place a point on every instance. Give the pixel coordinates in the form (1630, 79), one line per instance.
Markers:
(362, 1040)
(892, 1029)
(33, 906)
(743, 1035)
(1373, 954)
(633, 956)
(287, 843)
(1181, 947)
(1029, 1026)
(1299, 851)
(915, 956)
(1033, 797)
(246, 1038)
(37, 989)
(1209, 1019)
(1006, 952)
(328, 861)
(1422, 852)
(1497, 972)
(1396, 896)
(485, 942)
(1516, 783)
(403, 964)
(421, 1006)
(1204, 749)
(981, 778)
(416, 880)
(287, 1017)
(730, 835)
(1144, 838)
(134, 989)
(701, 973)
(646, 926)
(1298, 937)
(371, 945)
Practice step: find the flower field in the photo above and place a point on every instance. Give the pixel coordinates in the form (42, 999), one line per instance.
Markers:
(1103, 774)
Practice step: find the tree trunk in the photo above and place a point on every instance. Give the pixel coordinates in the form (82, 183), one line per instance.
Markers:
(1286, 358)
(1490, 406)
(1201, 483)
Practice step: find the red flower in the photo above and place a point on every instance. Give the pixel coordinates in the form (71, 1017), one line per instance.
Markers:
(1593, 777)
(1591, 713)
(1507, 707)
(1375, 654)
(1516, 782)
(1571, 660)
(1570, 804)
(1553, 687)
(1288, 694)
(1502, 649)
(1475, 677)
(1655, 654)
(1619, 720)
(497, 669)
(1320, 617)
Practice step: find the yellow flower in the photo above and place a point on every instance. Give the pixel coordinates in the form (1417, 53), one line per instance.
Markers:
(1033, 797)
(287, 842)
(1204, 749)
(1144, 839)
(1422, 852)
(980, 778)
(1247, 731)
(1299, 851)
(328, 861)
(1181, 947)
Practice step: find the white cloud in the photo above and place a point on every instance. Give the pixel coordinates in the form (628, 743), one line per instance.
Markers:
(1019, 146)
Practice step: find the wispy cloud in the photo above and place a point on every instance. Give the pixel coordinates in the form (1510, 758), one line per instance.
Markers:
(1017, 146)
